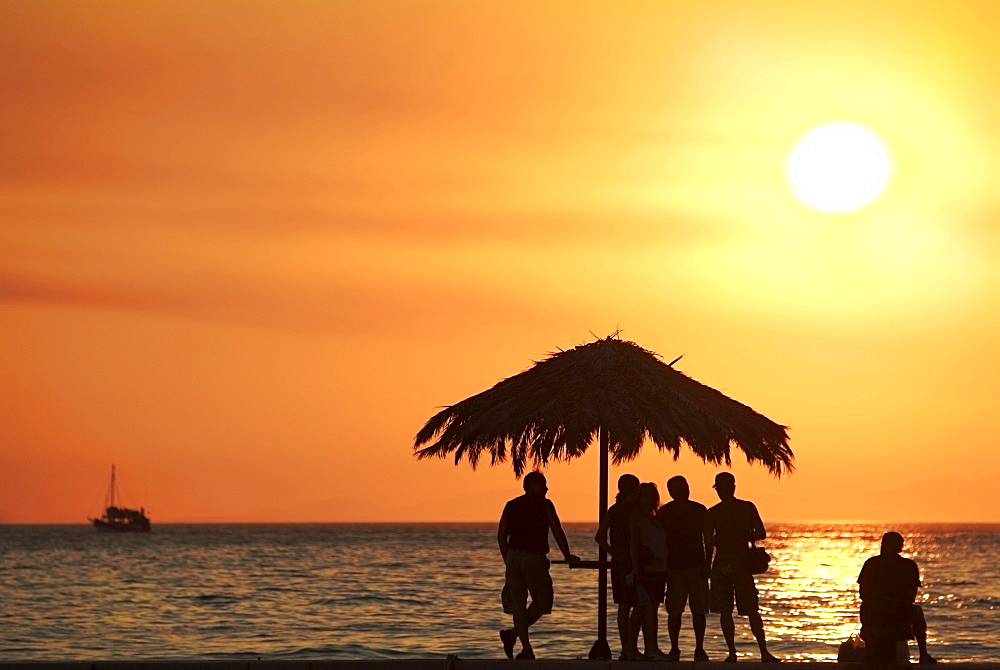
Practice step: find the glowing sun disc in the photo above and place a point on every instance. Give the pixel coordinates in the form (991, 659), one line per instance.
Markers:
(839, 167)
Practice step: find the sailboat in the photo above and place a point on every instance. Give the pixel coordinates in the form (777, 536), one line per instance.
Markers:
(120, 519)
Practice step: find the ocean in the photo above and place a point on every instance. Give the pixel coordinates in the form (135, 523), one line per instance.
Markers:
(383, 591)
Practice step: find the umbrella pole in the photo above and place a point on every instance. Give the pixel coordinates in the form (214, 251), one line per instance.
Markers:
(601, 650)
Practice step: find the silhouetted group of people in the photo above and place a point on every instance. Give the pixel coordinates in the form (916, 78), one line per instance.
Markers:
(684, 555)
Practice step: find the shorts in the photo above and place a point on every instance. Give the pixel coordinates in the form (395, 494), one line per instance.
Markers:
(622, 592)
(686, 586)
(527, 572)
(729, 580)
(650, 589)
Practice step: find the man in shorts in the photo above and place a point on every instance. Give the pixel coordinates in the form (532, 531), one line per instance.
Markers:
(730, 527)
(616, 522)
(687, 565)
(523, 537)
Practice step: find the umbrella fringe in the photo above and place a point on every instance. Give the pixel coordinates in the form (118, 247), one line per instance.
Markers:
(554, 410)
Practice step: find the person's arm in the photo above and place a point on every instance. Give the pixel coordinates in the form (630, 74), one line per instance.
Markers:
(703, 546)
(864, 581)
(503, 534)
(709, 537)
(601, 538)
(633, 541)
(911, 593)
(558, 534)
(757, 531)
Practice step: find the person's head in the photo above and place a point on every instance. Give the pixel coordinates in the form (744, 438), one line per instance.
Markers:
(535, 484)
(892, 543)
(649, 498)
(725, 485)
(678, 488)
(628, 487)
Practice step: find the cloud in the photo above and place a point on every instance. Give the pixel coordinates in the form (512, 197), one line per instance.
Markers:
(327, 308)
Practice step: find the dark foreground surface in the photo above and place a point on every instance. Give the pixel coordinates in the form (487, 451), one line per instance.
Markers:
(448, 663)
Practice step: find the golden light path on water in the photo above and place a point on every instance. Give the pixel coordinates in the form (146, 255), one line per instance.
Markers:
(814, 585)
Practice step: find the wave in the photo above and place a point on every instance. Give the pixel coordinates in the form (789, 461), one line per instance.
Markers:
(417, 592)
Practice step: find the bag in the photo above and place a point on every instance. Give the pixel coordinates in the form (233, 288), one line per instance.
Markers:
(757, 560)
(852, 650)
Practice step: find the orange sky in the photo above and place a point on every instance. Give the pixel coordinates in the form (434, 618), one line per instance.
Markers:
(247, 249)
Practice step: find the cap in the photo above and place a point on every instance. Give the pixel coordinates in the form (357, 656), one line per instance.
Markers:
(724, 478)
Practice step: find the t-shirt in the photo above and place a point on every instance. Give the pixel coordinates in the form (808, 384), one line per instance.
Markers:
(652, 542)
(734, 521)
(684, 522)
(889, 577)
(619, 515)
(528, 523)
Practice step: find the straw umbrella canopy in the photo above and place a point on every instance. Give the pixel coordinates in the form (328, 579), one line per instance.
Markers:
(612, 389)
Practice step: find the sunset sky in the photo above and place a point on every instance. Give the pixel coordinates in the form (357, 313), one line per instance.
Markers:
(248, 248)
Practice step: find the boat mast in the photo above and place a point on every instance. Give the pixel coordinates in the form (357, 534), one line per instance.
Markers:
(112, 494)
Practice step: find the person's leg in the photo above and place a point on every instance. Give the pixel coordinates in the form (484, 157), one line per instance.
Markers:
(624, 615)
(757, 628)
(674, 630)
(722, 598)
(515, 601)
(880, 650)
(729, 632)
(539, 585)
(624, 596)
(634, 626)
(649, 645)
(521, 629)
(747, 604)
(649, 595)
(534, 613)
(650, 634)
(699, 622)
(674, 603)
(722, 595)
(920, 633)
(699, 601)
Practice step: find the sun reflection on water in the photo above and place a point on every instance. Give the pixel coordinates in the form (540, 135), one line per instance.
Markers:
(812, 590)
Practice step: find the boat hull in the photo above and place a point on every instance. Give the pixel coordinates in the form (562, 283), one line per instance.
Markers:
(106, 527)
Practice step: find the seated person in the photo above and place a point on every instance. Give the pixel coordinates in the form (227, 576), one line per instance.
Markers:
(888, 584)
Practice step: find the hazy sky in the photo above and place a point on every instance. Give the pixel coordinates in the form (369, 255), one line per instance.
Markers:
(247, 249)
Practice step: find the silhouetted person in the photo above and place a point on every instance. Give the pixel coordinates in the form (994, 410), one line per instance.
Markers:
(730, 527)
(616, 522)
(687, 565)
(888, 584)
(523, 537)
(649, 567)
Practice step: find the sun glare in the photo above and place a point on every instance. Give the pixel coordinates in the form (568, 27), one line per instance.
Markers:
(838, 167)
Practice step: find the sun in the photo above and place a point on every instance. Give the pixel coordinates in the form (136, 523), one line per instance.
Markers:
(839, 167)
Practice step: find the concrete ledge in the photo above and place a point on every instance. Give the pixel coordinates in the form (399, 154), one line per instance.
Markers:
(449, 663)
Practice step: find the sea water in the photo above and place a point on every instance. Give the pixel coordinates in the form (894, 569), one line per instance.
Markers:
(368, 591)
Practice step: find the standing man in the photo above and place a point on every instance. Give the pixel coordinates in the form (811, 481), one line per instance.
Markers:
(889, 615)
(687, 565)
(730, 527)
(616, 521)
(523, 536)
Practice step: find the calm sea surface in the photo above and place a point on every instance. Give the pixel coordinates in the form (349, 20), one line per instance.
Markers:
(367, 591)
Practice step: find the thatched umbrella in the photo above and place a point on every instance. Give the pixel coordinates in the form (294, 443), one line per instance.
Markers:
(609, 388)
